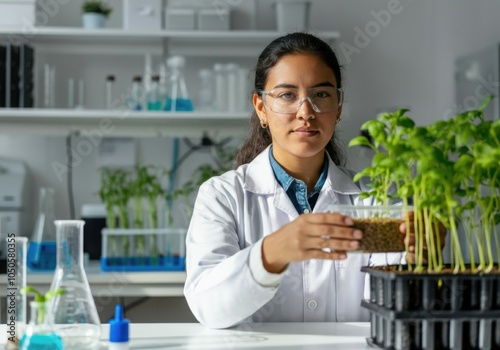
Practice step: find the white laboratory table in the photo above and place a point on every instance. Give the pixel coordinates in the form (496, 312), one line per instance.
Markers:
(279, 336)
(124, 284)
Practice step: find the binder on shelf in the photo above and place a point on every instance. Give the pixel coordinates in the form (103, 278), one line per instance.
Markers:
(16, 76)
(3, 77)
(26, 77)
(12, 80)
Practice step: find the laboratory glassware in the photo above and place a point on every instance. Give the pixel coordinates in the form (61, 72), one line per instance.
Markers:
(42, 247)
(40, 333)
(154, 97)
(220, 87)
(232, 87)
(135, 99)
(177, 93)
(205, 94)
(74, 313)
(108, 91)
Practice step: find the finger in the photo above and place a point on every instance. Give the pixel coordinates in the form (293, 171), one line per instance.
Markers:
(320, 254)
(333, 231)
(327, 218)
(409, 214)
(332, 244)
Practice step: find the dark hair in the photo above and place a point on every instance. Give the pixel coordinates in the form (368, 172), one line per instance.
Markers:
(259, 138)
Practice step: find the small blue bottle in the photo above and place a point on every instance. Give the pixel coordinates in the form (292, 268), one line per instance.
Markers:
(119, 331)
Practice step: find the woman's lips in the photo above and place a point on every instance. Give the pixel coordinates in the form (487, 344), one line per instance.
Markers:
(305, 132)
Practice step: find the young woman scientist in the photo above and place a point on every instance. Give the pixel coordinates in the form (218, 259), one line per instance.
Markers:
(261, 246)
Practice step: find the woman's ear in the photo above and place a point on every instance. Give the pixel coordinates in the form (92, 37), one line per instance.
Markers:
(259, 107)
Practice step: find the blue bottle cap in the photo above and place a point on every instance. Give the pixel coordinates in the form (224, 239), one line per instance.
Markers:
(118, 327)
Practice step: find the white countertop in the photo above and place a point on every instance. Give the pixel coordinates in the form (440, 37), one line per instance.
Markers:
(126, 284)
(281, 336)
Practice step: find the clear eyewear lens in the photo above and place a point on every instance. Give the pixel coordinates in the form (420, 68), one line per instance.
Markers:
(320, 106)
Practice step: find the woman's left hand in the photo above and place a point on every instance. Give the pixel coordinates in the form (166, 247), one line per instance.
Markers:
(410, 240)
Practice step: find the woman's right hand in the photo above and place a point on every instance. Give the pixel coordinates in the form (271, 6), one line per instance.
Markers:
(310, 236)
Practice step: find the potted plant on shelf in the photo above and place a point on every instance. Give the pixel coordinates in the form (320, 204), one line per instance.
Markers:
(450, 170)
(95, 13)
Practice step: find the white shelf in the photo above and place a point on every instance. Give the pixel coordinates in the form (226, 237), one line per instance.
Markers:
(116, 123)
(120, 41)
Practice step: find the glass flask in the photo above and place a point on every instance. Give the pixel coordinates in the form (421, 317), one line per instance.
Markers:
(74, 313)
(154, 97)
(177, 94)
(40, 334)
(42, 248)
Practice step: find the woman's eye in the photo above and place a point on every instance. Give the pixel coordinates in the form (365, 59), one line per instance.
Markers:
(287, 96)
(322, 94)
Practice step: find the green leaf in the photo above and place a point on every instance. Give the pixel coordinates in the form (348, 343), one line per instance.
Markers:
(485, 102)
(405, 122)
(360, 141)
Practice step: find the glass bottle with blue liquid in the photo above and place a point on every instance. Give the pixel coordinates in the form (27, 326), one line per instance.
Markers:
(40, 334)
(42, 249)
(155, 100)
(177, 94)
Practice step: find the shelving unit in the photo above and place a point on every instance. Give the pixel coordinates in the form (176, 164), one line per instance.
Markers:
(116, 123)
(76, 41)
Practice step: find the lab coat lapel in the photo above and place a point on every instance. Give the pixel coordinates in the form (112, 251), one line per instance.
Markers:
(260, 179)
(338, 188)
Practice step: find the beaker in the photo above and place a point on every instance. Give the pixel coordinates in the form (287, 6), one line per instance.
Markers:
(16, 301)
(40, 334)
(74, 313)
(177, 93)
(42, 248)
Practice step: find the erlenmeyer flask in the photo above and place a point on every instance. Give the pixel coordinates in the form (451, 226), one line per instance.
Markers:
(74, 313)
(177, 93)
(40, 333)
(42, 247)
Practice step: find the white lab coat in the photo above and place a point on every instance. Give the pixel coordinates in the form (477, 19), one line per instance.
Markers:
(236, 210)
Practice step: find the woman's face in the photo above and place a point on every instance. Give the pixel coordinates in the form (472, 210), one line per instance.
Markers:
(304, 133)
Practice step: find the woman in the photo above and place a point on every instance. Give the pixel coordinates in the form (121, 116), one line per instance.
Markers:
(261, 246)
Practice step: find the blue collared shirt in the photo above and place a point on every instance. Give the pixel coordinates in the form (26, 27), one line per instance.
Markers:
(297, 189)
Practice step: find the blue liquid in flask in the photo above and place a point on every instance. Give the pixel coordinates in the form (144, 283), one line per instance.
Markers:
(181, 105)
(42, 256)
(41, 342)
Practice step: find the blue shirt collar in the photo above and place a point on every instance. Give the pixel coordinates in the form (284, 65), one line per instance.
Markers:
(285, 180)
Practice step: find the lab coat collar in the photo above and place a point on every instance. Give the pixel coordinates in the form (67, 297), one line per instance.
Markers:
(259, 177)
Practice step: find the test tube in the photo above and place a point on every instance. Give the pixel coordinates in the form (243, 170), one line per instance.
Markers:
(16, 301)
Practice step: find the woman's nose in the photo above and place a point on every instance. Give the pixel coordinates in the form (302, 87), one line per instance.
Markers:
(306, 110)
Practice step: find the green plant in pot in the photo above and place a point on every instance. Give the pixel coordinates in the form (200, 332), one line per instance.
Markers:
(95, 13)
(450, 172)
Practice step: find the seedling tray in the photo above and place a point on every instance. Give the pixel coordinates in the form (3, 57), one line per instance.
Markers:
(433, 310)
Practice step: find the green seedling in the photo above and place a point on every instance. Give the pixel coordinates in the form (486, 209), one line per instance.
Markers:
(445, 168)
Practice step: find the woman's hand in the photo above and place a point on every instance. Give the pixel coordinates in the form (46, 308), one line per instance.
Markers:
(410, 240)
(310, 236)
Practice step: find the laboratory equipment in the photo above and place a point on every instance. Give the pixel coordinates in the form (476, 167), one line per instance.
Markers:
(74, 314)
(71, 93)
(40, 333)
(205, 94)
(81, 94)
(164, 249)
(135, 99)
(177, 93)
(477, 75)
(108, 91)
(154, 96)
(232, 87)
(119, 330)
(220, 87)
(14, 201)
(42, 247)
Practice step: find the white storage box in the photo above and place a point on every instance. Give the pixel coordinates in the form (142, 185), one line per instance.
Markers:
(17, 13)
(143, 14)
(180, 18)
(214, 19)
(143, 249)
(292, 15)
